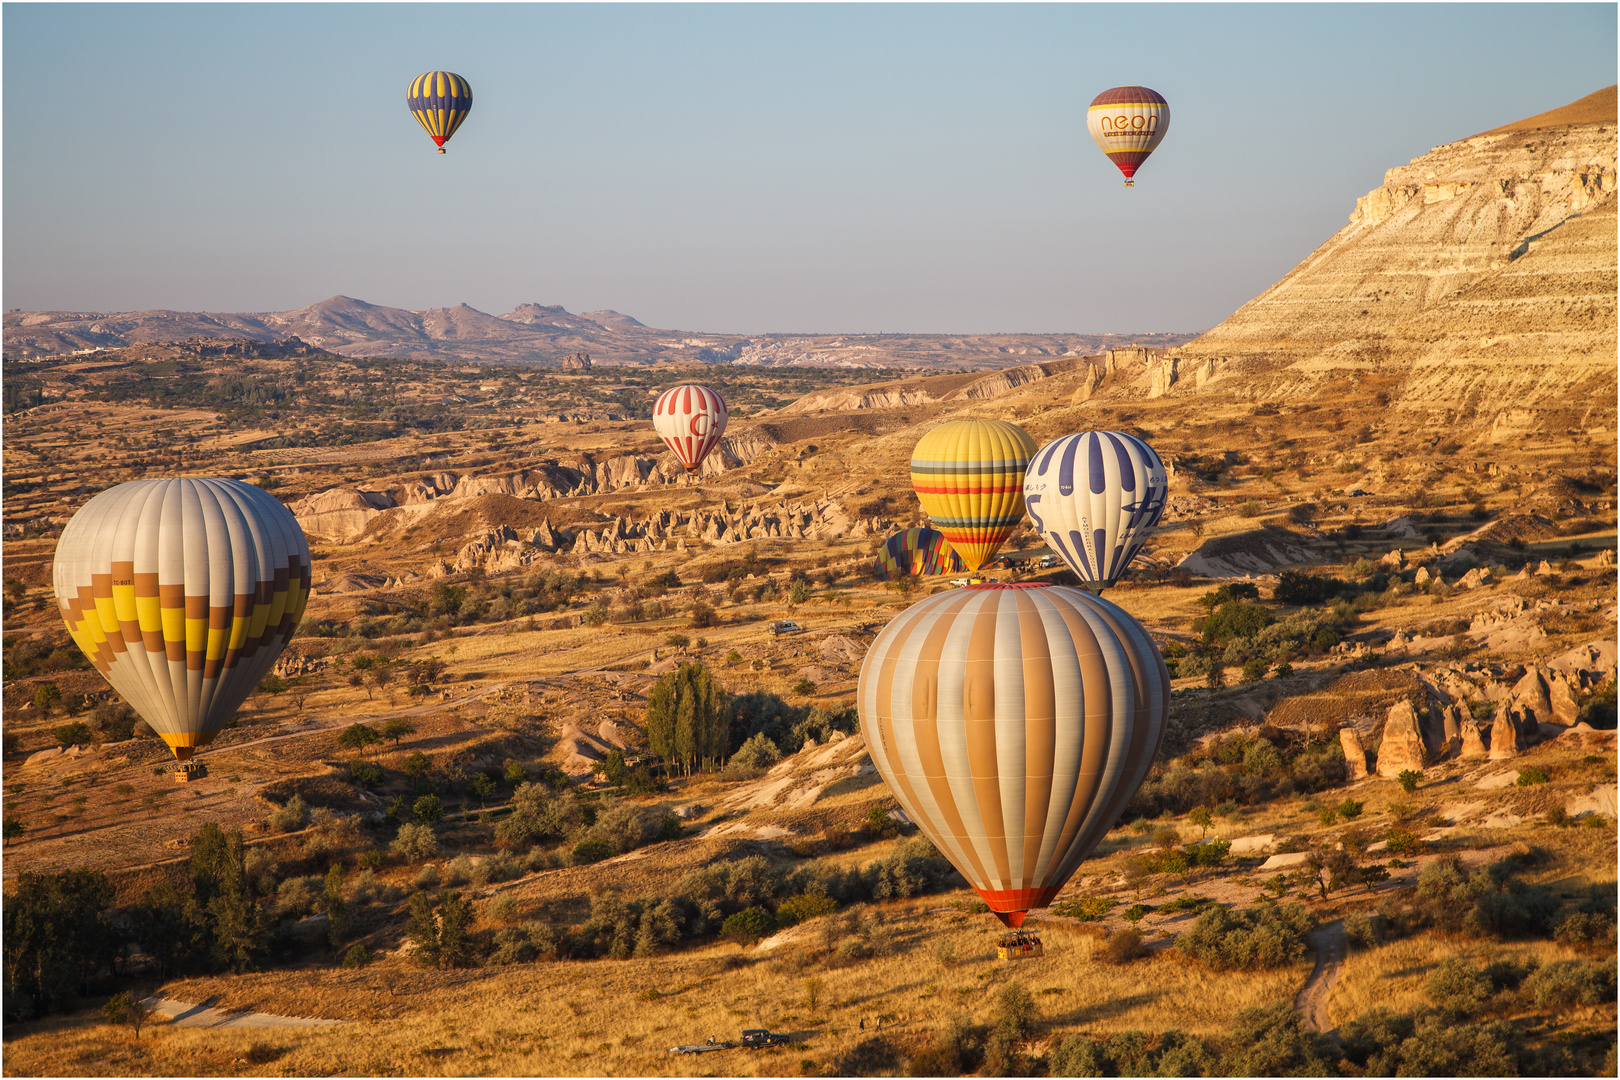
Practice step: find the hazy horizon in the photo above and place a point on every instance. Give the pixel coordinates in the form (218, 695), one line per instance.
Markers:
(736, 169)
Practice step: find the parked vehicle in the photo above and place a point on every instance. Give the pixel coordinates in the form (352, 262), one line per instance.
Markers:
(759, 1038)
(785, 627)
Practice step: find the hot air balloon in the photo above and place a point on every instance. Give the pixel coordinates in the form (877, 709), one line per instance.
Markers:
(440, 101)
(969, 476)
(917, 551)
(690, 419)
(1096, 498)
(1013, 722)
(182, 593)
(1128, 123)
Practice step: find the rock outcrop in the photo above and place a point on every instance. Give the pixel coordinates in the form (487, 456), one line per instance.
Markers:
(1402, 747)
(1355, 755)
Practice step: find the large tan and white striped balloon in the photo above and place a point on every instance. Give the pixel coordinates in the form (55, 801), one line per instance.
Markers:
(182, 593)
(1013, 722)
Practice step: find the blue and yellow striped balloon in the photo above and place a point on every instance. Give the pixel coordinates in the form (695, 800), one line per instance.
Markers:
(440, 101)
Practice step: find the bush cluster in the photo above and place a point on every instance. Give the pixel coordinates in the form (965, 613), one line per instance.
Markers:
(1266, 936)
(1238, 768)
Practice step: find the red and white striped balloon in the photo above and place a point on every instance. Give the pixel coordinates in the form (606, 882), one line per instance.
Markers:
(690, 419)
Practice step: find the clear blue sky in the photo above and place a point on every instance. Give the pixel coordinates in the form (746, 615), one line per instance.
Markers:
(742, 168)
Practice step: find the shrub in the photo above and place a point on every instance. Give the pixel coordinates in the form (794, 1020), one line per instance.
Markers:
(1267, 936)
(294, 815)
(460, 870)
(1458, 986)
(1086, 908)
(427, 878)
(1273, 1041)
(1350, 809)
(1121, 947)
(365, 773)
(748, 926)
(804, 907)
(1402, 841)
(1571, 982)
(1587, 930)
(415, 841)
(357, 956)
(592, 851)
(1531, 775)
(1408, 779)
(758, 752)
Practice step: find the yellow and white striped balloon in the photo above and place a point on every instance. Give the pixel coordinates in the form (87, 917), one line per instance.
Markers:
(183, 593)
(1014, 722)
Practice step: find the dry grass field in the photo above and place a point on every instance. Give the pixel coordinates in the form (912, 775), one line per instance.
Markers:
(541, 656)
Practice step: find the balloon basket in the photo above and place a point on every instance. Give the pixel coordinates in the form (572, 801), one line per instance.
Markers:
(187, 771)
(1128, 183)
(1019, 946)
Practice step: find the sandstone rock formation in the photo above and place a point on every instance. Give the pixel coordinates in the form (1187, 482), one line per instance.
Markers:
(1402, 747)
(1504, 737)
(1355, 755)
(1473, 742)
(1512, 329)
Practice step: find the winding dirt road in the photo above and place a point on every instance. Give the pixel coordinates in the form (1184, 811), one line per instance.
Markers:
(184, 1014)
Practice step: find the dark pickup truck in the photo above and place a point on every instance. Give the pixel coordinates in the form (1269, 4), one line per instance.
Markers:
(759, 1038)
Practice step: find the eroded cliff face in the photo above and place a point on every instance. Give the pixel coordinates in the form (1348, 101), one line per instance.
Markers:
(1479, 278)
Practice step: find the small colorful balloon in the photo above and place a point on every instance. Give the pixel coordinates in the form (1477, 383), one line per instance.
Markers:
(1128, 123)
(440, 101)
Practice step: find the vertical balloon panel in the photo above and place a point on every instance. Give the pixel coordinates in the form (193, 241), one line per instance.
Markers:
(183, 593)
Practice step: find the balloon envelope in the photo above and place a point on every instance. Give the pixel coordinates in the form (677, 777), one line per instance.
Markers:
(969, 476)
(690, 419)
(182, 593)
(1096, 497)
(1127, 123)
(917, 551)
(440, 101)
(1013, 722)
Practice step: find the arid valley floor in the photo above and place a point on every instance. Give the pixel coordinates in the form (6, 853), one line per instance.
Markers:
(506, 558)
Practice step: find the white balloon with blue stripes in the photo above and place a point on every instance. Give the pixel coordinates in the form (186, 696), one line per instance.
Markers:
(1095, 498)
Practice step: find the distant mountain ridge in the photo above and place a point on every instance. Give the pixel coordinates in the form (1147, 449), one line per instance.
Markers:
(537, 334)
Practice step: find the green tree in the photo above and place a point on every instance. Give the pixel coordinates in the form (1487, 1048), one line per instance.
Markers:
(397, 729)
(481, 787)
(688, 717)
(77, 733)
(358, 737)
(57, 933)
(428, 809)
(1202, 817)
(337, 910)
(128, 1011)
(418, 767)
(171, 927)
(219, 877)
(1408, 779)
(14, 828)
(47, 698)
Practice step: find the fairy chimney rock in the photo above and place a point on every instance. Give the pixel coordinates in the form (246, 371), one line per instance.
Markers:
(1355, 755)
(1402, 747)
(1473, 742)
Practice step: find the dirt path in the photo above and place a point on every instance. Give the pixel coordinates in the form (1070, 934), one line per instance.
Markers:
(338, 723)
(1327, 941)
(188, 1015)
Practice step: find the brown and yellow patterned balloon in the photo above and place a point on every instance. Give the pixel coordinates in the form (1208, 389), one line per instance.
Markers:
(183, 593)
